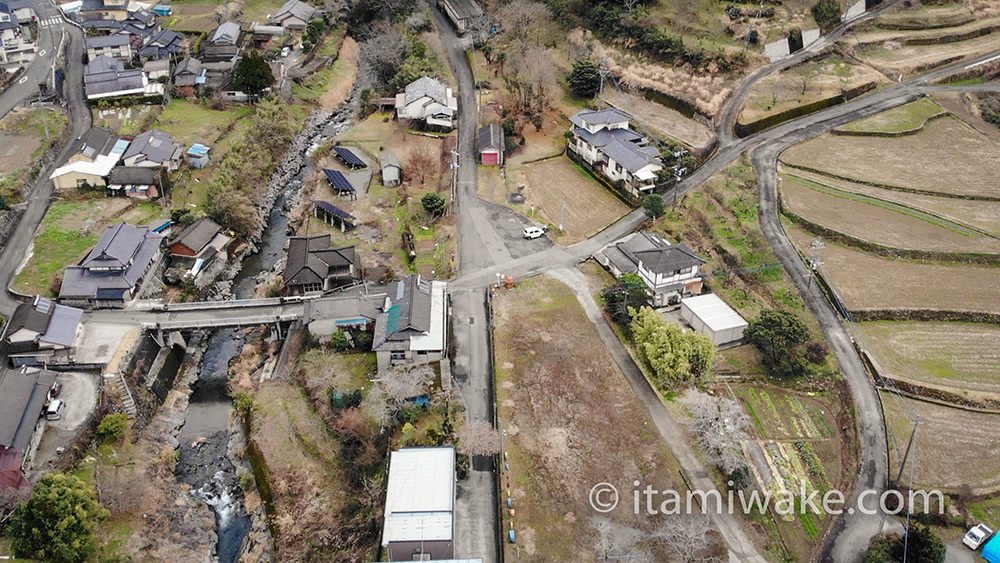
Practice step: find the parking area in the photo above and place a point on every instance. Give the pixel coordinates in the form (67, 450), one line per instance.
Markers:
(510, 226)
(80, 392)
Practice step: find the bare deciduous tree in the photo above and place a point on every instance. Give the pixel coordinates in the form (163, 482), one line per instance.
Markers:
(521, 18)
(615, 540)
(479, 438)
(688, 537)
(400, 384)
(719, 424)
(630, 4)
(382, 55)
(420, 164)
(530, 79)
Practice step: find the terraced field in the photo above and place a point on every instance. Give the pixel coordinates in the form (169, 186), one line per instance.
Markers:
(903, 118)
(871, 282)
(962, 356)
(926, 161)
(879, 221)
(952, 444)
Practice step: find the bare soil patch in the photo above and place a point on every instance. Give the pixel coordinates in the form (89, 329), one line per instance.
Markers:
(893, 58)
(952, 444)
(665, 122)
(339, 88)
(572, 421)
(877, 224)
(948, 156)
(870, 282)
(16, 151)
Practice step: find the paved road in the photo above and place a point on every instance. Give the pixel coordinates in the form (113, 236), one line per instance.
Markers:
(40, 69)
(17, 248)
(730, 113)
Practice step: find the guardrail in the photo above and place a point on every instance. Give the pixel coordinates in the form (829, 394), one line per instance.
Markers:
(217, 323)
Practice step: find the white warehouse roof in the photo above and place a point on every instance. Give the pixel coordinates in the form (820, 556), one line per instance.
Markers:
(420, 496)
(714, 312)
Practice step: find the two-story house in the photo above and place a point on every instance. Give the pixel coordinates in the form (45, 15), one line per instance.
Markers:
(295, 15)
(604, 141)
(152, 149)
(428, 100)
(93, 155)
(110, 275)
(15, 48)
(669, 270)
(104, 9)
(412, 328)
(313, 265)
(117, 46)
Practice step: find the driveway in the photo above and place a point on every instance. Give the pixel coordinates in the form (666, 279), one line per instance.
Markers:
(80, 391)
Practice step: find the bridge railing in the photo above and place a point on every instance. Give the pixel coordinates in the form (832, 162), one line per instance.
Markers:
(217, 323)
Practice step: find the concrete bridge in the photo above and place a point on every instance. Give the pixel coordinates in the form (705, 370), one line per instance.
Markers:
(155, 315)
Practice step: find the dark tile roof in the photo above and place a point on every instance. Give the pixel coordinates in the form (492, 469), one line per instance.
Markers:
(311, 260)
(198, 234)
(126, 249)
(600, 117)
(34, 316)
(659, 256)
(22, 398)
(154, 146)
(99, 41)
(631, 156)
(166, 43)
(490, 137)
(133, 175)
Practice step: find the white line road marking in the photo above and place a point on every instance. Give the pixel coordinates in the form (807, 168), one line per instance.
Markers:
(22, 80)
(989, 60)
(41, 53)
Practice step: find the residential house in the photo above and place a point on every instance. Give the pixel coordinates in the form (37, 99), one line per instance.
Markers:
(106, 77)
(669, 270)
(157, 69)
(92, 156)
(164, 44)
(420, 505)
(112, 272)
(263, 35)
(295, 15)
(200, 240)
(392, 171)
(39, 330)
(15, 46)
(104, 10)
(491, 145)
(224, 45)
(137, 182)
(462, 13)
(23, 396)
(604, 141)
(115, 46)
(428, 100)
(312, 265)
(332, 313)
(154, 148)
(188, 75)
(22, 10)
(412, 328)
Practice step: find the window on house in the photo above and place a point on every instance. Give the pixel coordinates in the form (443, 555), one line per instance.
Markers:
(397, 356)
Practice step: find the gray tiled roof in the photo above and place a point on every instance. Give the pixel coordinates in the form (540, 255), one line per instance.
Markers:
(227, 33)
(99, 41)
(31, 316)
(311, 260)
(127, 248)
(606, 136)
(106, 74)
(490, 137)
(629, 155)
(298, 9)
(22, 398)
(132, 175)
(426, 86)
(198, 234)
(187, 72)
(116, 247)
(62, 327)
(154, 146)
(165, 43)
(600, 117)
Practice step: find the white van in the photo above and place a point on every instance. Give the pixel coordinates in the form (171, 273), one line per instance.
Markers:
(533, 232)
(55, 409)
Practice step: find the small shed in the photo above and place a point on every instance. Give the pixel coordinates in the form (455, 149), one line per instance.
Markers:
(331, 214)
(339, 183)
(491, 145)
(392, 172)
(198, 155)
(162, 10)
(348, 157)
(708, 314)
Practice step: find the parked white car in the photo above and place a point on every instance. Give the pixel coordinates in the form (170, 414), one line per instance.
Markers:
(533, 232)
(55, 409)
(977, 536)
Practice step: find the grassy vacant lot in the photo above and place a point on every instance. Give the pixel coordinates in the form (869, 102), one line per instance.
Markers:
(67, 233)
(879, 221)
(903, 118)
(127, 121)
(192, 18)
(794, 432)
(948, 156)
(923, 17)
(23, 142)
(893, 59)
(944, 442)
(981, 215)
(560, 444)
(548, 185)
(193, 122)
(869, 282)
(961, 356)
(331, 86)
(805, 84)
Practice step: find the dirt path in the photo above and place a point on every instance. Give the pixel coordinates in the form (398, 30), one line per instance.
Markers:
(338, 91)
(741, 548)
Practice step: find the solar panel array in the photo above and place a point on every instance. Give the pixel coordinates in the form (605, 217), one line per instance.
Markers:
(348, 156)
(338, 181)
(334, 210)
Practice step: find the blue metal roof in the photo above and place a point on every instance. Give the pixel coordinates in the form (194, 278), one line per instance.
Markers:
(198, 149)
(338, 180)
(348, 156)
(334, 210)
(991, 551)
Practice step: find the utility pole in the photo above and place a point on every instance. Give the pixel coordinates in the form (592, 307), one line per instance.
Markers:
(909, 510)
(604, 72)
(913, 437)
(562, 218)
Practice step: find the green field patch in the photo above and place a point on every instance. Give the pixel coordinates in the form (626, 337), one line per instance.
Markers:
(906, 117)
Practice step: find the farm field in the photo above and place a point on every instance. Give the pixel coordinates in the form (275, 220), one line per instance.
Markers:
(795, 442)
(878, 221)
(803, 85)
(191, 122)
(960, 356)
(192, 18)
(666, 123)
(982, 215)
(893, 59)
(23, 142)
(68, 232)
(922, 17)
(871, 282)
(559, 444)
(946, 437)
(937, 33)
(903, 118)
(552, 184)
(931, 160)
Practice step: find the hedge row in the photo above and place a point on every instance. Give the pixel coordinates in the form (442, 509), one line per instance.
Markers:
(888, 186)
(744, 130)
